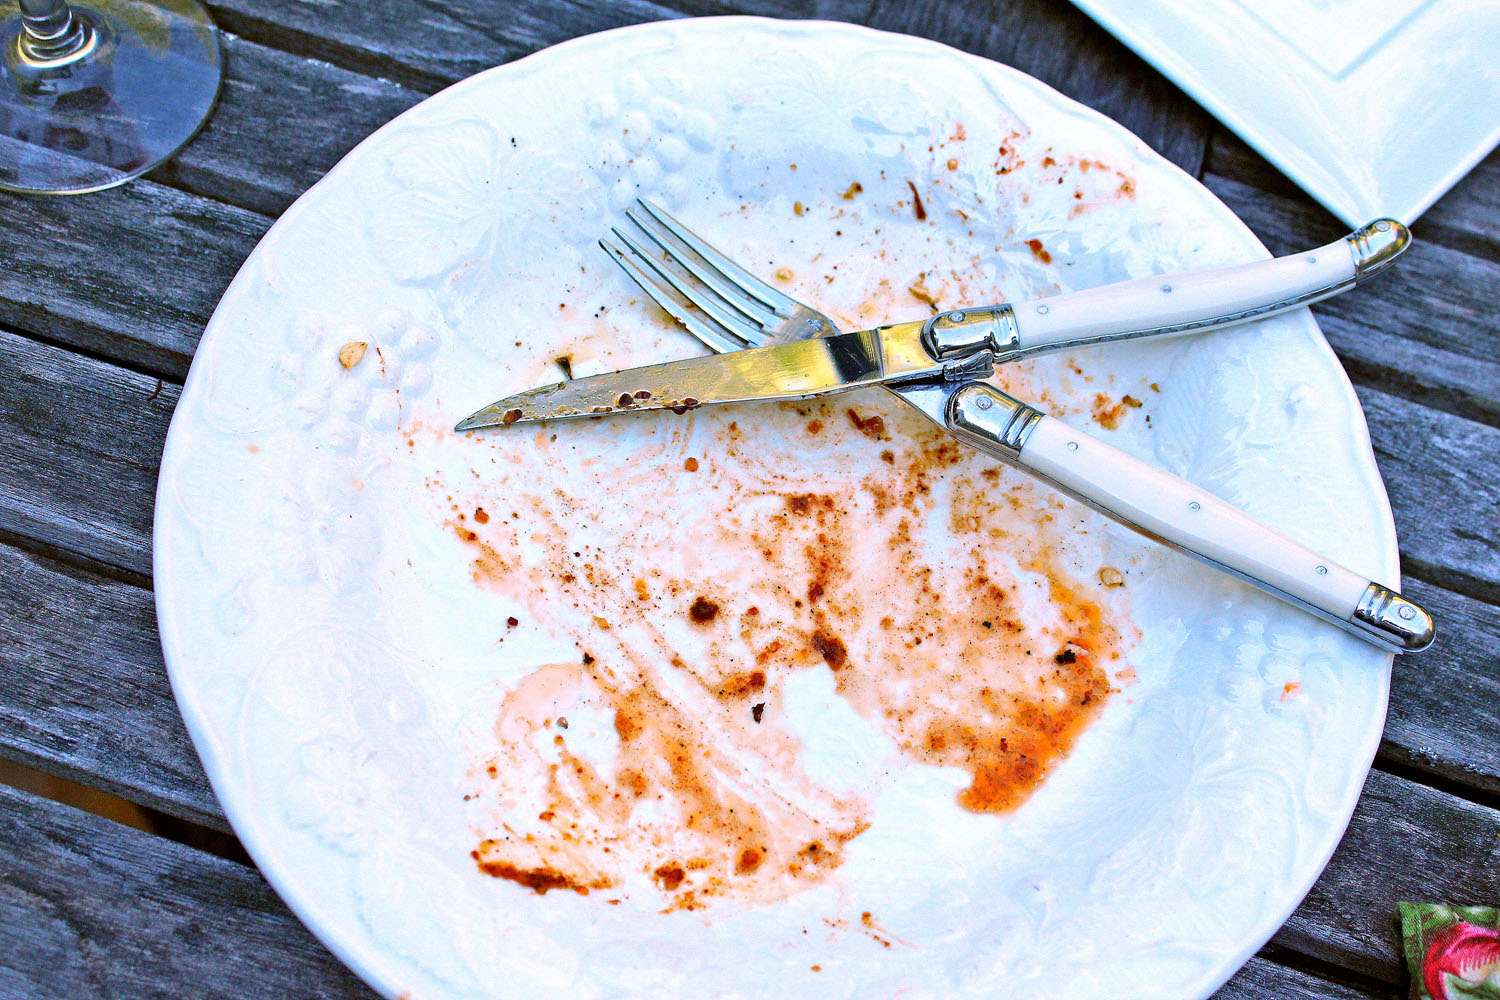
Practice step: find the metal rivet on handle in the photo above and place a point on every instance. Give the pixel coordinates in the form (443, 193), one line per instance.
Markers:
(1072, 445)
(1383, 226)
(956, 316)
(983, 402)
(1041, 309)
(1406, 613)
(1322, 570)
(1167, 289)
(1195, 505)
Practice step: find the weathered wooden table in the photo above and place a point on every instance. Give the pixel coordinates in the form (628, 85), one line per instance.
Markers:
(102, 298)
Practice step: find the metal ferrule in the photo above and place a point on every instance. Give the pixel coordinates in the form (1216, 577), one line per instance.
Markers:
(1392, 620)
(964, 333)
(987, 418)
(1376, 246)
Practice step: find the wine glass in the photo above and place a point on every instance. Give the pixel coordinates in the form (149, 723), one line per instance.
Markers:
(95, 92)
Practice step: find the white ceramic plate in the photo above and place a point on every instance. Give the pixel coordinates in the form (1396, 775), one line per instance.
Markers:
(340, 644)
(1375, 107)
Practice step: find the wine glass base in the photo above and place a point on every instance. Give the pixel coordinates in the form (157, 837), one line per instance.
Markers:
(140, 90)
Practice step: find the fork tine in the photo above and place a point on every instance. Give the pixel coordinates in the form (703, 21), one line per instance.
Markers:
(717, 339)
(718, 310)
(778, 302)
(741, 299)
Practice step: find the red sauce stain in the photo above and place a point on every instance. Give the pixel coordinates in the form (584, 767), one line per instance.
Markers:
(1039, 252)
(691, 465)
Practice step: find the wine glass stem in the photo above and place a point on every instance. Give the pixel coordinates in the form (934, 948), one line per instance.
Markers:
(49, 30)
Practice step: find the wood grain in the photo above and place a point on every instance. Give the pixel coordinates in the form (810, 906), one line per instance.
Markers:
(281, 123)
(1444, 717)
(92, 909)
(1443, 478)
(1405, 842)
(84, 693)
(131, 274)
(427, 46)
(79, 458)
(1263, 977)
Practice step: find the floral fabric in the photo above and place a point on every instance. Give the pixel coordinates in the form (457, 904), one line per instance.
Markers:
(1453, 952)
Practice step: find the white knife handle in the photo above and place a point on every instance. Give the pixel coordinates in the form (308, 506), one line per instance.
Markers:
(1171, 510)
(1188, 302)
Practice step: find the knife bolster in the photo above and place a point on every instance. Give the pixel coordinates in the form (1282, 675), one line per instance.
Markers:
(961, 334)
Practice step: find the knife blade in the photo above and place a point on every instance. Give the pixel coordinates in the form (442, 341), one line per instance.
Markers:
(801, 370)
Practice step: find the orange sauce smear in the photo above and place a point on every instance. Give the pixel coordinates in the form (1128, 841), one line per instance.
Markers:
(729, 579)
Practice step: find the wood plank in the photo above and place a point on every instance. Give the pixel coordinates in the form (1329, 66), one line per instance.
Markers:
(1426, 329)
(132, 273)
(1406, 841)
(1467, 218)
(90, 908)
(1444, 717)
(1062, 47)
(1442, 473)
(84, 691)
(82, 447)
(428, 46)
(281, 123)
(1263, 977)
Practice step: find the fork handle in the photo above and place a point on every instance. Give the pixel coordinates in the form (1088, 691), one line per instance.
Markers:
(1203, 300)
(1192, 520)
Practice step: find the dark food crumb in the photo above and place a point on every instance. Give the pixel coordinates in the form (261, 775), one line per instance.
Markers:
(703, 610)
(670, 876)
(916, 202)
(831, 648)
(871, 427)
(757, 710)
(512, 621)
(1066, 656)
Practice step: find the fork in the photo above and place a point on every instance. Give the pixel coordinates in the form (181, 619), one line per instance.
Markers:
(728, 309)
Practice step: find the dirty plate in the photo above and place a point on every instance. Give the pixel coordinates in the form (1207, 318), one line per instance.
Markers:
(761, 701)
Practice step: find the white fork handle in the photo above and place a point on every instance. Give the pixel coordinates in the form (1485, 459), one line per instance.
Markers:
(1188, 302)
(1173, 511)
